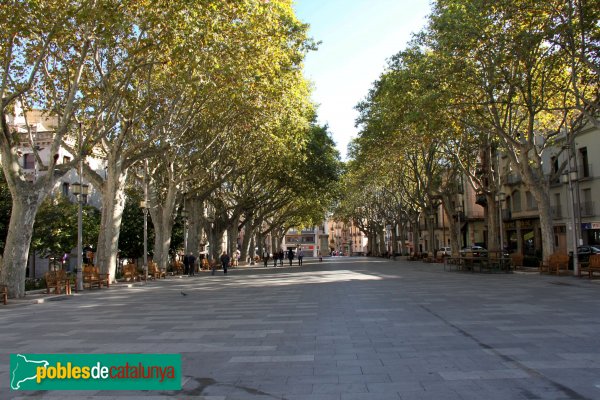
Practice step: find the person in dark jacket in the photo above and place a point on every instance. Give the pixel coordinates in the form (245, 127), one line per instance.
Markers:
(192, 264)
(290, 256)
(186, 264)
(225, 260)
(281, 255)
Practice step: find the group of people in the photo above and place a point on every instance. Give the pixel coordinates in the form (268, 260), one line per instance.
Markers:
(281, 255)
(189, 260)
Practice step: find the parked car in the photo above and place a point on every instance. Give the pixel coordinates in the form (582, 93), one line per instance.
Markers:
(473, 251)
(444, 252)
(583, 254)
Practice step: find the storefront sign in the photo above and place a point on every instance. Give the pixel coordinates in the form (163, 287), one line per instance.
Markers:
(590, 225)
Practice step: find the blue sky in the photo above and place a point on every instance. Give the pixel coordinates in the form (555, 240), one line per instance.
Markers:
(357, 36)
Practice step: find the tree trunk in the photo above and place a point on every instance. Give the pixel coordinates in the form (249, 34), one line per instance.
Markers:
(453, 227)
(113, 204)
(402, 234)
(194, 230)
(539, 188)
(248, 232)
(492, 223)
(274, 247)
(232, 236)
(13, 265)
(163, 219)
(252, 248)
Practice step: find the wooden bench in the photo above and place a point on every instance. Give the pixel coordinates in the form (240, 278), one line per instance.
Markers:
(130, 273)
(4, 293)
(592, 267)
(93, 278)
(516, 259)
(57, 280)
(177, 267)
(557, 262)
(204, 264)
(155, 272)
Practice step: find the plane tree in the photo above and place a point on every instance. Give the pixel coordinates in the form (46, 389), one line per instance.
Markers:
(47, 49)
(503, 67)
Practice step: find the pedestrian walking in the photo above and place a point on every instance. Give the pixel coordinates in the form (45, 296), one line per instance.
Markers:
(225, 260)
(186, 264)
(281, 255)
(192, 264)
(300, 255)
(290, 256)
(265, 257)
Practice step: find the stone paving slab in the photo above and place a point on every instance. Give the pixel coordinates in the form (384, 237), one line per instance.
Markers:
(346, 328)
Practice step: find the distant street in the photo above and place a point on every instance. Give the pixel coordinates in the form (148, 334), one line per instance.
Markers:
(346, 328)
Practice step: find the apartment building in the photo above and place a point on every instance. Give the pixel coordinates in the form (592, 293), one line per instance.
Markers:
(41, 127)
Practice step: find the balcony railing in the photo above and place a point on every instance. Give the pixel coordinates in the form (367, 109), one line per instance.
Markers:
(588, 209)
(513, 179)
(556, 212)
(585, 171)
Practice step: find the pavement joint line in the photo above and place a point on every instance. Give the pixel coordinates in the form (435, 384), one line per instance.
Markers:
(572, 394)
(366, 323)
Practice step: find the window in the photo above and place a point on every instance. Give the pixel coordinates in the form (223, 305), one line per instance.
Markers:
(531, 203)
(557, 208)
(587, 204)
(585, 166)
(65, 189)
(66, 159)
(28, 161)
(517, 201)
(554, 173)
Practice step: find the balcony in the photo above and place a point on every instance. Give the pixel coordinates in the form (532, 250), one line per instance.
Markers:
(588, 209)
(585, 171)
(513, 179)
(556, 212)
(481, 200)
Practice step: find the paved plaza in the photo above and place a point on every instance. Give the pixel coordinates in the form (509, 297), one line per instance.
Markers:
(346, 328)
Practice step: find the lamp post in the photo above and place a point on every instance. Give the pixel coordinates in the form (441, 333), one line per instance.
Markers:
(210, 218)
(500, 197)
(144, 206)
(459, 210)
(569, 178)
(79, 190)
(185, 214)
(432, 233)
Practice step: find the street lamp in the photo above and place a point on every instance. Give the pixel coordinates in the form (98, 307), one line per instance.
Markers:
(569, 178)
(144, 206)
(459, 210)
(432, 233)
(210, 218)
(500, 198)
(79, 190)
(185, 214)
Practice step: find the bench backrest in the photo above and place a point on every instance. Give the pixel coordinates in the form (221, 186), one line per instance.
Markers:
(594, 260)
(517, 259)
(558, 259)
(55, 276)
(129, 269)
(90, 270)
